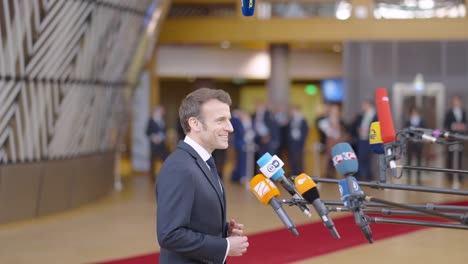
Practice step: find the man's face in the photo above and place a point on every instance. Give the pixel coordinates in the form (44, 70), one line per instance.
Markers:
(216, 125)
(456, 102)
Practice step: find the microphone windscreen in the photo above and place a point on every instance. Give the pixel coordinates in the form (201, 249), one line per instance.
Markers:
(384, 115)
(248, 7)
(345, 191)
(271, 166)
(263, 188)
(304, 183)
(311, 195)
(264, 159)
(375, 140)
(344, 159)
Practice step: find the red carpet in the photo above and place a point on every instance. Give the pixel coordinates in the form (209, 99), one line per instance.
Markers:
(280, 246)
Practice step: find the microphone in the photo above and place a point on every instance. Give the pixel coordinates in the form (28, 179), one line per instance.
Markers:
(387, 130)
(266, 191)
(421, 135)
(344, 159)
(272, 168)
(384, 115)
(248, 7)
(448, 135)
(376, 145)
(308, 189)
(439, 133)
(352, 198)
(345, 162)
(375, 138)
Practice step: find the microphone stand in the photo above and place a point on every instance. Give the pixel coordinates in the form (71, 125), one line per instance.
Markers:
(462, 219)
(432, 169)
(356, 204)
(424, 206)
(416, 222)
(378, 185)
(389, 211)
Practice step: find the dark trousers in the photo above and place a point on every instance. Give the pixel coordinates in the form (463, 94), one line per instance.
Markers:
(296, 160)
(240, 169)
(159, 153)
(415, 151)
(456, 152)
(365, 159)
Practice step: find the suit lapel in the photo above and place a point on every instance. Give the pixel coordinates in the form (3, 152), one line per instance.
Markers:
(206, 171)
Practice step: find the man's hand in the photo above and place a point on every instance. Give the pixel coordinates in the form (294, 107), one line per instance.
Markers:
(237, 245)
(235, 229)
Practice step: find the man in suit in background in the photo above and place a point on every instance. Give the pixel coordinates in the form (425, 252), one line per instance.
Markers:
(267, 135)
(360, 133)
(296, 139)
(156, 132)
(455, 121)
(191, 203)
(414, 147)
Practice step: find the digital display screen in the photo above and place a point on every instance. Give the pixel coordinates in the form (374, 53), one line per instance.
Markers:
(332, 90)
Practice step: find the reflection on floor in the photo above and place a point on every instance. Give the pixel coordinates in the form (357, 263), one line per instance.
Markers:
(123, 225)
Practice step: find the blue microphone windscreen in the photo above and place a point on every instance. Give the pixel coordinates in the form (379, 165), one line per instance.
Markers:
(264, 159)
(344, 159)
(248, 7)
(377, 148)
(345, 192)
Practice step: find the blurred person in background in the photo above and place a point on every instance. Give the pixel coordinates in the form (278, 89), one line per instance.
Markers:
(156, 132)
(243, 137)
(296, 138)
(322, 135)
(282, 116)
(455, 121)
(319, 148)
(191, 199)
(415, 148)
(266, 131)
(360, 133)
(335, 132)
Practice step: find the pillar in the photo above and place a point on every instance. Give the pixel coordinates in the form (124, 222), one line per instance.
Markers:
(278, 83)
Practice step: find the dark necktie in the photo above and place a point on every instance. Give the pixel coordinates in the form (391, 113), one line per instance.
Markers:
(214, 171)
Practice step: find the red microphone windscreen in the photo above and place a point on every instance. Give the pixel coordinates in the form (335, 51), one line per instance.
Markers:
(384, 115)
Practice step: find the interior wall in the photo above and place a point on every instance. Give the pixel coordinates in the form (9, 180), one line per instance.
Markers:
(213, 62)
(63, 99)
(368, 65)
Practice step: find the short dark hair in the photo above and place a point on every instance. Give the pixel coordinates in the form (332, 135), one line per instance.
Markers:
(191, 105)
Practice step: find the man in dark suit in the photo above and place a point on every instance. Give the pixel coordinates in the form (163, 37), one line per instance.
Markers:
(360, 134)
(455, 121)
(267, 135)
(415, 148)
(296, 139)
(156, 132)
(191, 203)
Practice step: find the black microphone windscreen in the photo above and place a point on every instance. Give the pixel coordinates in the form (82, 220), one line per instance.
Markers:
(311, 195)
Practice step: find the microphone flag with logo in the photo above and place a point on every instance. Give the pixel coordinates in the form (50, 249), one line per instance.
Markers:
(266, 191)
(375, 138)
(344, 159)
